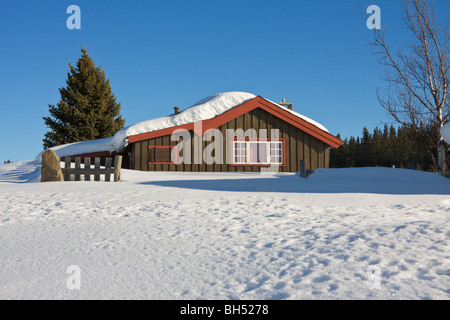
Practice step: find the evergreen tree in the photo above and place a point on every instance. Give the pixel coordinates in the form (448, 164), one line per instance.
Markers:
(393, 145)
(386, 158)
(366, 148)
(335, 156)
(87, 109)
(400, 147)
(353, 156)
(378, 148)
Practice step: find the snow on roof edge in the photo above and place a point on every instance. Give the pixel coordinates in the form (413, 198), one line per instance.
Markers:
(82, 147)
(315, 123)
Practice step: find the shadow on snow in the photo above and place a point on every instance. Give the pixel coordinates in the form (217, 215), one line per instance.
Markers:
(347, 180)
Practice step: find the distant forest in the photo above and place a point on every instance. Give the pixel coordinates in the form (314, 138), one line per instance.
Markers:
(400, 147)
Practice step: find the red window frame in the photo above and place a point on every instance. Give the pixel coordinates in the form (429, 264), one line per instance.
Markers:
(283, 143)
(161, 147)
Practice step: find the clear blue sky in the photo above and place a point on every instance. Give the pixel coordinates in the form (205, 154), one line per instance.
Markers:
(160, 54)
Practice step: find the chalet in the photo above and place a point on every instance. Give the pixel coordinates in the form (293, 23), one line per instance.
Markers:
(227, 132)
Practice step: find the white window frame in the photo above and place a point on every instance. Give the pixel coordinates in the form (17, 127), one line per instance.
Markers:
(281, 149)
(237, 158)
(247, 152)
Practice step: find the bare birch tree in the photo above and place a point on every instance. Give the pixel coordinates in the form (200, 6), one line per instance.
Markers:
(417, 78)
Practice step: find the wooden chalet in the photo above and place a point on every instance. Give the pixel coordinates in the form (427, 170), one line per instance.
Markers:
(264, 134)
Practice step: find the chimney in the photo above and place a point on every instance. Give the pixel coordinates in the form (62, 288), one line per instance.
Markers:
(176, 110)
(286, 104)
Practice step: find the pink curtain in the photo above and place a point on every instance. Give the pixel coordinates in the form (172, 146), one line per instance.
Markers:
(258, 152)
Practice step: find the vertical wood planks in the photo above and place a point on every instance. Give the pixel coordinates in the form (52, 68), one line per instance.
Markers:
(77, 167)
(137, 156)
(108, 169)
(67, 164)
(97, 167)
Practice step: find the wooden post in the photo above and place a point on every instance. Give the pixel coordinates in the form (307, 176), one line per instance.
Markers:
(108, 169)
(302, 169)
(117, 166)
(87, 167)
(77, 167)
(97, 167)
(67, 162)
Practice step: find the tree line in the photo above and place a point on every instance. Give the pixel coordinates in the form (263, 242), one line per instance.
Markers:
(400, 147)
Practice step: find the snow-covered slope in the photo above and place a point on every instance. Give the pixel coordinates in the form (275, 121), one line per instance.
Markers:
(175, 235)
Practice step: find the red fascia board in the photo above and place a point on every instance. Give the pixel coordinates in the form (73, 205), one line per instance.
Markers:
(302, 124)
(230, 115)
(257, 102)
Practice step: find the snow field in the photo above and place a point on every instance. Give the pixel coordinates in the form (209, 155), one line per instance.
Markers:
(155, 236)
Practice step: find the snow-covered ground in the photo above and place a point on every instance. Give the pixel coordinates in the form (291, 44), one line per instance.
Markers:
(169, 235)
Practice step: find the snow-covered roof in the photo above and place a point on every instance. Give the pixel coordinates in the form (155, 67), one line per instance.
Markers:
(445, 132)
(204, 109)
(91, 146)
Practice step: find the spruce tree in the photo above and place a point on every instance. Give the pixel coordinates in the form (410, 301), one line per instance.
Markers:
(87, 109)
(366, 148)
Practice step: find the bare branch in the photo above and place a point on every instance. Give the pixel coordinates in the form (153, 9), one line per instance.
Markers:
(417, 77)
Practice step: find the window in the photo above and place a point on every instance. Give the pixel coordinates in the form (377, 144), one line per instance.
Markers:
(240, 152)
(276, 152)
(160, 154)
(258, 152)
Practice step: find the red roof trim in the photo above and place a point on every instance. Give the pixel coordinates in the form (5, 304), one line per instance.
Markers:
(302, 124)
(257, 102)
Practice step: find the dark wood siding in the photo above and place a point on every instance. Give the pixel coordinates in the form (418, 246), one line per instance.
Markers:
(298, 146)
